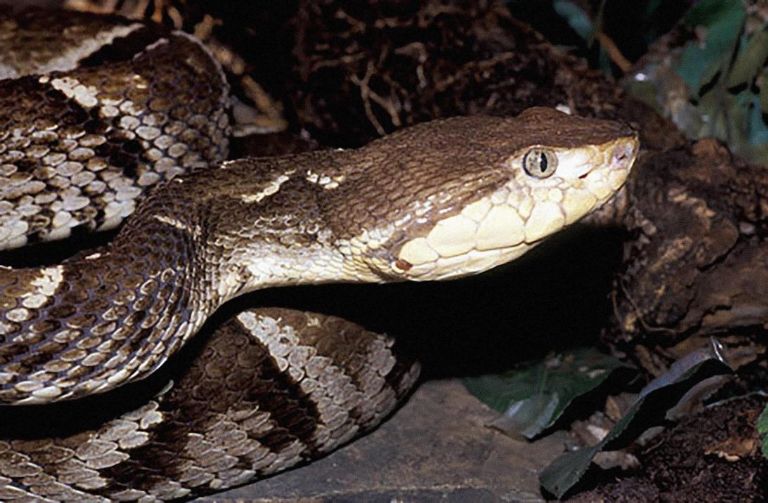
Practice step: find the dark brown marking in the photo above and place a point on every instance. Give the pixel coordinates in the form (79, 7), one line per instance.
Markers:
(403, 265)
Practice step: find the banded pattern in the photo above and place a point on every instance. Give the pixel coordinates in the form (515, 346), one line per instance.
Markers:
(92, 112)
(271, 388)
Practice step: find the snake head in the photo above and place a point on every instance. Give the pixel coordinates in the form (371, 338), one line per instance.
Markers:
(514, 182)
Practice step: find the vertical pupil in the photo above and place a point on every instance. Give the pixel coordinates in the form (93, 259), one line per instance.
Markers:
(543, 162)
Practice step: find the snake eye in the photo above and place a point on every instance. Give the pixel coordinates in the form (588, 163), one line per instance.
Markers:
(540, 162)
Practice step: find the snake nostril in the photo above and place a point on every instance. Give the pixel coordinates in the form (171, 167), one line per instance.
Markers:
(622, 152)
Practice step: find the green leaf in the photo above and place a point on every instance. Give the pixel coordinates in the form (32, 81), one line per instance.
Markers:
(709, 12)
(649, 409)
(757, 128)
(764, 92)
(536, 394)
(750, 60)
(722, 22)
(736, 118)
(575, 17)
(762, 429)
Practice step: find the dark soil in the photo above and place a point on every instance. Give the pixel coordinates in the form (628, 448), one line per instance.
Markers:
(712, 456)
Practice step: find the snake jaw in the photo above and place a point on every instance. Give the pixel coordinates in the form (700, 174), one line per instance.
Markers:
(500, 227)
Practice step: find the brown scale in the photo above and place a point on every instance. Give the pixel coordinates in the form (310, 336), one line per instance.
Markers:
(405, 160)
(31, 38)
(209, 426)
(86, 324)
(84, 150)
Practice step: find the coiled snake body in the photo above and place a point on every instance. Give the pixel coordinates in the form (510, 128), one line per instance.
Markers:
(87, 130)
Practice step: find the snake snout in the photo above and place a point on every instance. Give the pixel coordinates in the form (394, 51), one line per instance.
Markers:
(623, 152)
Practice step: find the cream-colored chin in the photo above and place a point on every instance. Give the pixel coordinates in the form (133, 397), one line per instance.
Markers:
(473, 262)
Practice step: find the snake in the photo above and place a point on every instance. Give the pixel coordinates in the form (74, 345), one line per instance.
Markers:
(105, 123)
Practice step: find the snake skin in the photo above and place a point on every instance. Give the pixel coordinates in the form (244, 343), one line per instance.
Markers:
(270, 388)
(92, 112)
